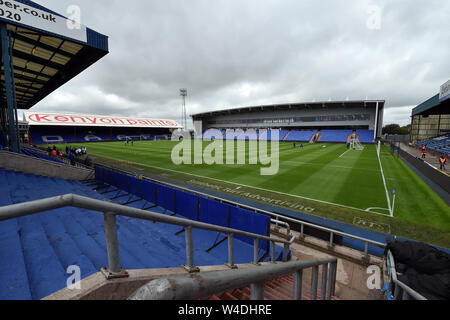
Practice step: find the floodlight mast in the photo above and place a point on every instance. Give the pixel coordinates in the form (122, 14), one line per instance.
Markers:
(183, 94)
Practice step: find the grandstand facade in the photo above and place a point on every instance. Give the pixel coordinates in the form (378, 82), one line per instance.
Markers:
(301, 121)
(431, 118)
(53, 128)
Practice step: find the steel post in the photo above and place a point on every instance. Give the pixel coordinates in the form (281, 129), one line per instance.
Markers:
(112, 243)
(272, 251)
(190, 266)
(314, 278)
(231, 251)
(324, 281)
(330, 245)
(8, 73)
(257, 291)
(331, 281)
(298, 284)
(255, 251)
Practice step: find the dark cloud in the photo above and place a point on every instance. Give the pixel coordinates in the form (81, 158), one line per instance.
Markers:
(231, 53)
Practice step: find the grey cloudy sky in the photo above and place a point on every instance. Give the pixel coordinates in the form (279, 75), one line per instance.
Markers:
(234, 53)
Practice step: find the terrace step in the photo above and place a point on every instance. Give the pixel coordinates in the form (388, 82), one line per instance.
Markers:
(277, 289)
(39, 248)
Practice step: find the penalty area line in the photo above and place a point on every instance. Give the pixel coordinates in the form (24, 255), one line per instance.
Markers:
(344, 153)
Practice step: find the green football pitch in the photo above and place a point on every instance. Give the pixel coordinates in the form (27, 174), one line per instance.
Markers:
(326, 180)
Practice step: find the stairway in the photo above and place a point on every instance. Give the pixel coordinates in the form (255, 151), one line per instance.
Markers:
(36, 250)
(287, 135)
(277, 289)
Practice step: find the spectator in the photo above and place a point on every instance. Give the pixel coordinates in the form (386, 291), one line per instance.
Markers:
(424, 153)
(442, 162)
(88, 161)
(72, 159)
(53, 153)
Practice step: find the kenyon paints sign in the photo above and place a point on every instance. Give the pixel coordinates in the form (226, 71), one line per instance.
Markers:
(55, 119)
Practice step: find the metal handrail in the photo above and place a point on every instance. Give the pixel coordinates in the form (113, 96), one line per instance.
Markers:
(65, 159)
(110, 211)
(404, 289)
(61, 163)
(302, 223)
(205, 284)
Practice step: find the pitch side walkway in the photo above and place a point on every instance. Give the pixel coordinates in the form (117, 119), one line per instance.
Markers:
(433, 160)
(430, 157)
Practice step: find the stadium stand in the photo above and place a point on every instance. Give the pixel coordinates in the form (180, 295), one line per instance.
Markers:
(50, 135)
(44, 245)
(439, 144)
(300, 135)
(338, 136)
(365, 136)
(40, 155)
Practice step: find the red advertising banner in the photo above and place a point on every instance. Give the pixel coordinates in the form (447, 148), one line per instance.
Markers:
(59, 119)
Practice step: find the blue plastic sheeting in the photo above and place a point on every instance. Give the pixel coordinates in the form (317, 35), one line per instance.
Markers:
(98, 174)
(187, 205)
(250, 221)
(149, 191)
(115, 179)
(36, 250)
(214, 212)
(166, 198)
(108, 177)
(136, 187)
(124, 182)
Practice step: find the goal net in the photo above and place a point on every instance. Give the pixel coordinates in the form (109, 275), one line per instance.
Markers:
(355, 145)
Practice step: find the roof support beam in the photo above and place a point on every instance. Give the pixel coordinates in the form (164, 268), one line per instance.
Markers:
(39, 74)
(8, 72)
(35, 59)
(43, 46)
(24, 77)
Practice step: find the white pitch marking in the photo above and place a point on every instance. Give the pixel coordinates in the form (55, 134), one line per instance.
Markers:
(344, 153)
(244, 185)
(385, 187)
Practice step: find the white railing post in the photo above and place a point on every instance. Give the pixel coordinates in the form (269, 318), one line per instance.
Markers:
(255, 251)
(314, 278)
(298, 284)
(230, 263)
(324, 281)
(257, 291)
(190, 266)
(114, 269)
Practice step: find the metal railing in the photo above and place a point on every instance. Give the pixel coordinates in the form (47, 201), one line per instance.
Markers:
(400, 290)
(278, 217)
(206, 284)
(64, 159)
(111, 210)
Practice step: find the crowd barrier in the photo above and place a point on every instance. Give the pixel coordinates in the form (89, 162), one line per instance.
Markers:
(190, 206)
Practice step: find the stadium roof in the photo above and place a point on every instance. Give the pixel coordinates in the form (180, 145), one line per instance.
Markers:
(432, 107)
(80, 120)
(299, 105)
(46, 52)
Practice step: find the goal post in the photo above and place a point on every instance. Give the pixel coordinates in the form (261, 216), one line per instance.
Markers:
(356, 145)
(379, 148)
